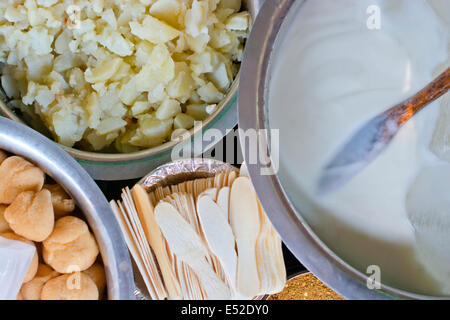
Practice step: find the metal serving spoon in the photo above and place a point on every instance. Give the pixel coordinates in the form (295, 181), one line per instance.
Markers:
(369, 141)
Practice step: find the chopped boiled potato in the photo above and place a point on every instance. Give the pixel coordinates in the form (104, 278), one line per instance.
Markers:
(220, 37)
(234, 5)
(166, 10)
(67, 125)
(116, 43)
(44, 97)
(143, 51)
(152, 132)
(182, 85)
(204, 62)
(196, 18)
(140, 107)
(119, 74)
(154, 30)
(110, 125)
(158, 94)
(197, 111)
(13, 14)
(168, 109)
(66, 61)
(128, 93)
(104, 71)
(221, 77)
(8, 86)
(239, 21)
(40, 40)
(183, 121)
(199, 43)
(98, 141)
(209, 93)
(93, 112)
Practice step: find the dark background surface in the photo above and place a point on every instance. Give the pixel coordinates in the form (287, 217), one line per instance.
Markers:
(113, 189)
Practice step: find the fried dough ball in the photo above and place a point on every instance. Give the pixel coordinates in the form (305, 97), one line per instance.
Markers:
(18, 175)
(34, 263)
(62, 202)
(97, 273)
(31, 290)
(71, 247)
(19, 296)
(3, 156)
(75, 286)
(4, 226)
(31, 215)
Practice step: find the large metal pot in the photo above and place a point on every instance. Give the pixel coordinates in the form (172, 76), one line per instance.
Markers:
(102, 166)
(23, 141)
(294, 229)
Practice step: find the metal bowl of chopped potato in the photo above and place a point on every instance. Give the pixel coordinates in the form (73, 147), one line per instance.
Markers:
(114, 81)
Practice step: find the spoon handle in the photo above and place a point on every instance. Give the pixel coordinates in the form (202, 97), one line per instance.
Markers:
(408, 108)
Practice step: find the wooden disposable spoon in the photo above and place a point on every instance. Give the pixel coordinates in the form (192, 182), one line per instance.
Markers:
(218, 234)
(245, 222)
(369, 141)
(156, 240)
(187, 245)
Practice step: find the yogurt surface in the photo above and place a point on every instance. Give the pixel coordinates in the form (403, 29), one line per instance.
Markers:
(330, 73)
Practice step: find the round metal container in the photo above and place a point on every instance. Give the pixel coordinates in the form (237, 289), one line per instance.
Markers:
(293, 228)
(102, 166)
(23, 141)
(183, 170)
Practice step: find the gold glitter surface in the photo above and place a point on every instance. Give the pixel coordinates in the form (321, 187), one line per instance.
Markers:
(306, 287)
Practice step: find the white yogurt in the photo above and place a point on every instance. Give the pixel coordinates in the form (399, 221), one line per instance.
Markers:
(330, 74)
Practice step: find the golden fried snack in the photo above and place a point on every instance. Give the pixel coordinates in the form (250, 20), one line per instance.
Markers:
(3, 156)
(18, 175)
(4, 226)
(34, 263)
(31, 290)
(97, 273)
(71, 247)
(30, 215)
(19, 296)
(63, 204)
(75, 286)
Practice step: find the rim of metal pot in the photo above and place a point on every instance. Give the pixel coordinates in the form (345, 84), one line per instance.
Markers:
(99, 158)
(294, 230)
(24, 141)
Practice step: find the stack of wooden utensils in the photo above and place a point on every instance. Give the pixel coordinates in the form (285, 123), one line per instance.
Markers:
(202, 239)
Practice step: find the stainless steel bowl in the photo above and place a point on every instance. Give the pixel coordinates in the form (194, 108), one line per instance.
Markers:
(23, 141)
(293, 228)
(103, 166)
